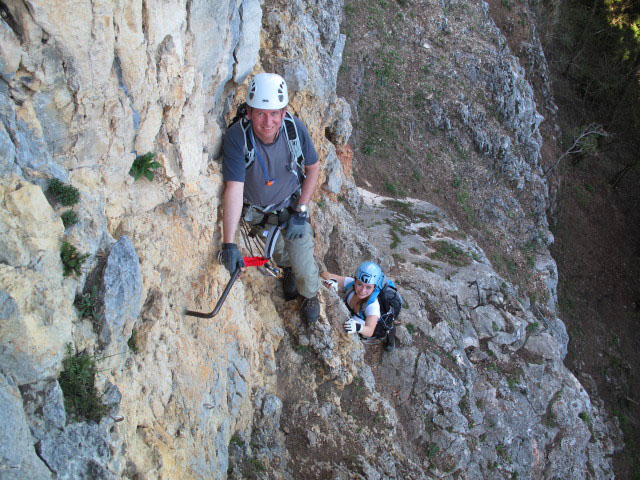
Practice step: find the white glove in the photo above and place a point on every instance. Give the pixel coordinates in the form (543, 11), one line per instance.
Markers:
(331, 284)
(351, 326)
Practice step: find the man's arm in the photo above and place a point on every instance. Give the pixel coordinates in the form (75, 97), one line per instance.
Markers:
(312, 173)
(232, 209)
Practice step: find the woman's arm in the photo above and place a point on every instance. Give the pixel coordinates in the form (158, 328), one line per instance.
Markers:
(333, 276)
(369, 326)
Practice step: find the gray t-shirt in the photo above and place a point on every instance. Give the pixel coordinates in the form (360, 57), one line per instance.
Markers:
(276, 158)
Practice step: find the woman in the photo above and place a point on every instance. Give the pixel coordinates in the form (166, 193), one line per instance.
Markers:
(361, 299)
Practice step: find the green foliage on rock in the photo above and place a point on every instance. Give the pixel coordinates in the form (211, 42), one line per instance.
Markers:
(144, 165)
(64, 194)
(87, 304)
(72, 260)
(69, 217)
(77, 381)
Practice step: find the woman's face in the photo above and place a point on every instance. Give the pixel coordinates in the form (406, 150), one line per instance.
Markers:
(363, 290)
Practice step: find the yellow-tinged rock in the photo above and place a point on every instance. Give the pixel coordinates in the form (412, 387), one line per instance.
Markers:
(32, 235)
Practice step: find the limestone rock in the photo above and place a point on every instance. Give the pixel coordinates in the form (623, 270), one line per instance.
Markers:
(246, 52)
(81, 450)
(36, 303)
(44, 407)
(18, 457)
(121, 293)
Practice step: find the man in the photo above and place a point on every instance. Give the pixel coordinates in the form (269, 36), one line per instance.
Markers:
(271, 189)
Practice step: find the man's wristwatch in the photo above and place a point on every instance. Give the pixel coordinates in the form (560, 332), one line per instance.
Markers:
(302, 208)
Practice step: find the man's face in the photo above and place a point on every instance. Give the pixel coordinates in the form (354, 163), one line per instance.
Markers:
(266, 123)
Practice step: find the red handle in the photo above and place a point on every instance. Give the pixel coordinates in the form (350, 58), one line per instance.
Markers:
(255, 261)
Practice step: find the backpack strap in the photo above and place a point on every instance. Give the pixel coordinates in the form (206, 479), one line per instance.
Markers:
(293, 142)
(249, 149)
(295, 147)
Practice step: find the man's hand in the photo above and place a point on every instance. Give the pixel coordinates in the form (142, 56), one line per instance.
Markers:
(295, 227)
(230, 257)
(351, 326)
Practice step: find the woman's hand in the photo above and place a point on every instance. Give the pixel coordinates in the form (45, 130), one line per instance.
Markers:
(331, 284)
(351, 326)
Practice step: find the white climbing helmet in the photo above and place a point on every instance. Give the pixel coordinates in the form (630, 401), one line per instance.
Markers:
(268, 91)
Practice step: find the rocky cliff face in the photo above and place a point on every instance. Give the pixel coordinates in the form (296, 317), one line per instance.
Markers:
(477, 387)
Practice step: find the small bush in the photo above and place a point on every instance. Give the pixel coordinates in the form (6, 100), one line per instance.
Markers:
(71, 259)
(584, 416)
(256, 465)
(391, 187)
(77, 381)
(144, 165)
(532, 327)
(426, 232)
(451, 253)
(87, 304)
(411, 328)
(132, 343)
(69, 217)
(433, 450)
(429, 267)
(396, 238)
(236, 439)
(64, 194)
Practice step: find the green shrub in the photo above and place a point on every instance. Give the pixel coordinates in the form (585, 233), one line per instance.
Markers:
(411, 328)
(396, 238)
(429, 267)
(236, 439)
(532, 327)
(71, 259)
(144, 165)
(256, 465)
(64, 194)
(433, 450)
(87, 304)
(391, 187)
(584, 416)
(451, 253)
(132, 343)
(77, 381)
(69, 217)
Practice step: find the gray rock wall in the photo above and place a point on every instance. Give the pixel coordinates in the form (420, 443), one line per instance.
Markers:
(85, 89)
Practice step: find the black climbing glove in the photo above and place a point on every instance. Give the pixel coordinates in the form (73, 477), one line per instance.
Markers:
(230, 257)
(295, 227)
